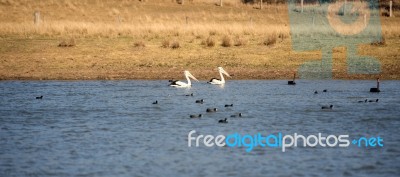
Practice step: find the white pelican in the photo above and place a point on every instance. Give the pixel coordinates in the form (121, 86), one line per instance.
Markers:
(181, 84)
(216, 81)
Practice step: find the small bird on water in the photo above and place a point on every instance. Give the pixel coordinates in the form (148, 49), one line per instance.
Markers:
(39, 97)
(200, 101)
(237, 115)
(156, 102)
(211, 110)
(223, 120)
(229, 105)
(195, 116)
(327, 107)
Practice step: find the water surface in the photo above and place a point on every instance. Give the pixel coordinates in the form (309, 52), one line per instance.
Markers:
(111, 128)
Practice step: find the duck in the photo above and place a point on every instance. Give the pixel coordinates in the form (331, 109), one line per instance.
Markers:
(195, 116)
(237, 115)
(200, 101)
(156, 102)
(327, 107)
(229, 105)
(189, 94)
(223, 120)
(363, 101)
(39, 97)
(315, 92)
(373, 100)
(325, 90)
(211, 110)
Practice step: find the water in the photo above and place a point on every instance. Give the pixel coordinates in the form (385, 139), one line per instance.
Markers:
(111, 128)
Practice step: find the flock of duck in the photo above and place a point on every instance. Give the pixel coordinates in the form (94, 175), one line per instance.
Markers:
(222, 72)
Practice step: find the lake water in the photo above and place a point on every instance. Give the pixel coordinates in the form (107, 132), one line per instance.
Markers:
(111, 128)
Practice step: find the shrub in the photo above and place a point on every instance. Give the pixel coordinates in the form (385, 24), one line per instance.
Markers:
(139, 44)
(210, 42)
(64, 43)
(379, 42)
(226, 41)
(271, 39)
(165, 43)
(175, 45)
(240, 41)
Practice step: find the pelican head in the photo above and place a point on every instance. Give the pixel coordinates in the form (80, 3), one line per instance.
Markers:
(221, 70)
(187, 74)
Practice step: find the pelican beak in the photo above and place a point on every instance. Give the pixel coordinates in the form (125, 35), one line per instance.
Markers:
(226, 73)
(191, 76)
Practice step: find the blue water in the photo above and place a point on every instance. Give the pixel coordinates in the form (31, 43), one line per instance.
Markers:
(111, 128)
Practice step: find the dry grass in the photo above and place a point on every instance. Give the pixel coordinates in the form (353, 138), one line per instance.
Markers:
(106, 30)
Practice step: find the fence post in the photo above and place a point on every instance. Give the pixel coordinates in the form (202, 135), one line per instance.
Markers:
(220, 3)
(36, 19)
(390, 8)
(302, 3)
(261, 3)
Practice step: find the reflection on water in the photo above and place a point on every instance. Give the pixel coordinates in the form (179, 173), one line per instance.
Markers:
(111, 128)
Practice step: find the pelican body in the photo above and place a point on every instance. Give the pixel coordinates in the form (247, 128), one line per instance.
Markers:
(180, 84)
(216, 81)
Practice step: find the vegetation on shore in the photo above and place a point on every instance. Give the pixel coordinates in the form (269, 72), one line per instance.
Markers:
(99, 39)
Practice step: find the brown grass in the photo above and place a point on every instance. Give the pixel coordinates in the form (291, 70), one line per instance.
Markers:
(105, 31)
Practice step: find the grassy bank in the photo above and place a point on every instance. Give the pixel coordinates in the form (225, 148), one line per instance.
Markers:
(160, 39)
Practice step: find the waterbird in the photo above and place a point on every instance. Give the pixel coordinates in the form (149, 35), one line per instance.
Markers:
(373, 100)
(189, 94)
(237, 115)
(325, 90)
(195, 116)
(327, 107)
(377, 87)
(216, 81)
(180, 84)
(211, 110)
(292, 82)
(223, 120)
(39, 97)
(363, 101)
(200, 101)
(315, 92)
(229, 105)
(156, 102)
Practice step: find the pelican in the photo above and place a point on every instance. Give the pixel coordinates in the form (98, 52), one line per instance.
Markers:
(180, 84)
(216, 81)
